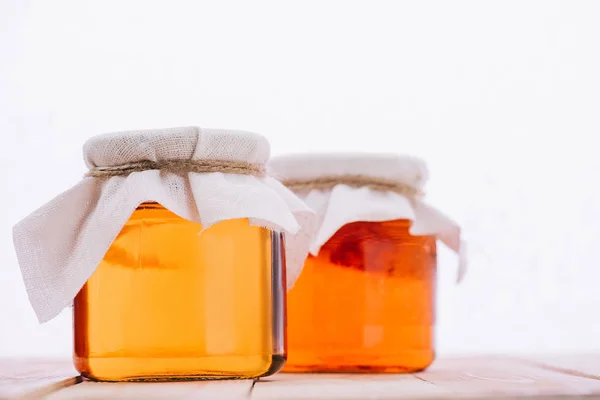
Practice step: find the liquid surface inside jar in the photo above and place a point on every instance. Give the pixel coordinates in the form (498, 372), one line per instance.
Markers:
(365, 303)
(171, 301)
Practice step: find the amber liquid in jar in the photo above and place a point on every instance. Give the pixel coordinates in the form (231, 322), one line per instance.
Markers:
(170, 301)
(365, 303)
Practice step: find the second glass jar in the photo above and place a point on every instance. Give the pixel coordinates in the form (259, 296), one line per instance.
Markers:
(366, 303)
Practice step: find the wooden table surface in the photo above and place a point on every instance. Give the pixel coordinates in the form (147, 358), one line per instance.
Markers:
(549, 377)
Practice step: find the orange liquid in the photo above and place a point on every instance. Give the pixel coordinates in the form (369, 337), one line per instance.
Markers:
(171, 302)
(365, 303)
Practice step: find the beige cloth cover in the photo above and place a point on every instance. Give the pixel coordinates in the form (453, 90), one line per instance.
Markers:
(60, 245)
(343, 204)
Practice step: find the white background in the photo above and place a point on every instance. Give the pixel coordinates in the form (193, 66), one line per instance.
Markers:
(501, 98)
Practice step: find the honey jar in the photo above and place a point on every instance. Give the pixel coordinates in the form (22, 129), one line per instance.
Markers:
(365, 300)
(173, 251)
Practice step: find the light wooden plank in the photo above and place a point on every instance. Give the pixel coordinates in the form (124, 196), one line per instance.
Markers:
(486, 377)
(586, 365)
(210, 390)
(475, 378)
(343, 387)
(34, 378)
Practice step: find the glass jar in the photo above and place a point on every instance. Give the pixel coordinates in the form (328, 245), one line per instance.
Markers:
(365, 303)
(170, 301)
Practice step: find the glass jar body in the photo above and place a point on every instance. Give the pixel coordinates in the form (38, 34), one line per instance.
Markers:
(170, 301)
(366, 303)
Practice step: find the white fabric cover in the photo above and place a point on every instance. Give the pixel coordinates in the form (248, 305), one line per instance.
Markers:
(344, 204)
(60, 245)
